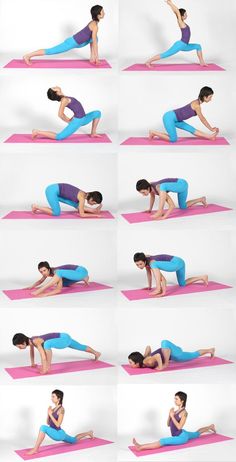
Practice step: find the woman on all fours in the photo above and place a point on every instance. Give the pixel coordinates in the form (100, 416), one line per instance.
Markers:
(44, 344)
(154, 264)
(161, 188)
(79, 119)
(183, 44)
(53, 428)
(160, 358)
(73, 196)
(61, 276)
(86, 36)
(175, 119)
(176, 421)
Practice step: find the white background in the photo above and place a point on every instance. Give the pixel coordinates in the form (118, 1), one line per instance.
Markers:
(143, 411)
(84, 407)
(148, 28)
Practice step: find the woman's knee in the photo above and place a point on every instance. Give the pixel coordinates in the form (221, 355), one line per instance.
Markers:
(164, 344)
(173, 138)
(61, 136)
(43, 428)
(198, 47)
(97, 114)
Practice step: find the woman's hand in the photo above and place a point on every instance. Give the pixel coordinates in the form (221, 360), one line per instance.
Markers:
(50, 411)
(172, 412)
(36, 293)
(215, 129)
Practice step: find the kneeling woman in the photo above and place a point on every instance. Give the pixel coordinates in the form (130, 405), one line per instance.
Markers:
(160, 358)
(70, 195)
(175, 119)
(79, 118)
(61, 276)
(44, 344)
(88, 35)
(154, 264)
(161, 188)
(53, 428)
(176, 421)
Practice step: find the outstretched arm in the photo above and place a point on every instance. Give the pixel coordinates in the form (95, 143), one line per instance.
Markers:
(203, 119)
(37, 283)
(175, 10)
(56, 280)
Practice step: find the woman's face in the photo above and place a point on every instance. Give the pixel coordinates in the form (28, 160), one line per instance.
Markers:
(207, 99)
(54, 398)
(92, 202)
(133, 364)
(178, 401)
(144, 192)
(140, 264)
(185, 15)
(44, 271)
(102, 14)
(22, 346)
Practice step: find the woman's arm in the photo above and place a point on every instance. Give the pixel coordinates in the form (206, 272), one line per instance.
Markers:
(169, 418)
(147, 351)
(63, 104)
(59, 421)
(175, 10)
(171, 206)
(86, 211)
(32, 355)
(152, 201)
(149, 277)
(38, 344)
(157, 275)
(37, 283)
(56, 280)
(95, 43)
(183, 419)
(158, 359)
(203, 119)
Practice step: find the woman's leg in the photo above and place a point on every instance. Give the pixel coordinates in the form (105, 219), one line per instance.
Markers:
(141, 447)
(206, 351)
(175, 48)
(198, 48)
(80, 436)
(203, 278)
(56, 435)
(38, 442)
(200, 200)
(52, 195)
(67, 45)
(43, 134)
(94, 117)
(209, 428)
(198, 133)
(169, 121)
(79, 346)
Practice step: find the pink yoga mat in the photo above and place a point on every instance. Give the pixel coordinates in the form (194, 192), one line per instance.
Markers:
(140, 217)
(20, 294)
(182, 141)
(24, 372)
(57, 64)
(176, 366)
(142, 294)
(62, 448)
(27, 215)
(204, 439)
(175, 67)
(27, 138)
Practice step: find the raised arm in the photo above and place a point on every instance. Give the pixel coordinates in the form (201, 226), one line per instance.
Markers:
(64, 102)
(175, 10)
(147, 351)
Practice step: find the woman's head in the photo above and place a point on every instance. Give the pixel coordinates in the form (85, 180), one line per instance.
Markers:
(57, 397)
(183, 13)
(180, 399)
(136, 359)
(21, 341)
(94, 197)
(45, 269)
(140, 260)
(143, 187)
(97, 12)
(54, 94)
(205, 94)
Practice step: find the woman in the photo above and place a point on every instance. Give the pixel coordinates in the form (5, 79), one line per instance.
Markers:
(176, 421)
(154, 264)
(161, 188)
(74, 123)
(160, 358)
(53, 428)
(86, 36)
(183, 44)
(175, 119)
(61, 276)
(44, 344)
(70, 195)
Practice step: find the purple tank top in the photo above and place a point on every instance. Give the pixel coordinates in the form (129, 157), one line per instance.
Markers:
(162, 257)
(186, 34)
(46, 336)
(185, 112)
(83, 35)
(159, 350)
(51, 423)
(165, 180)
(174, 430)
(65, 267)
(68, 191)
(76, 107)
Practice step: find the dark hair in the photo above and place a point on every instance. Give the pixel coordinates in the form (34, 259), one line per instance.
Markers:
(59, 395)
(182, 396)
(19, 339)
(96, 196)
(45, 264)
(205, 92)
(143, 184)
(95, 11)
(53, 96)
(182, 11)
(137, 358)
(140, 256)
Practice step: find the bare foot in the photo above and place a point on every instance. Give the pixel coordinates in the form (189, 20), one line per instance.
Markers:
(148, 64)
(212, 352)
(91, 435)
(151, 135)
(204, 201)
(86, 280)
(205, 280)
(33, 451)
(136, 444)
(26, 58)
(34, 134)
(34, 208)
(95, 135)
(202, 63)
(97, 355)
(214, 135)
(212, 428)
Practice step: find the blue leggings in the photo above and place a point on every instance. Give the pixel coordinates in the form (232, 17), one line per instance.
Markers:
(58, 435)
(64, 341)
(171, 124)
(67, 45)
(183, 438)
(180, 46)
(176, 264)
(180, 187)
(177, 354)
(76, 123)
(53, 197)
(69, 277)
